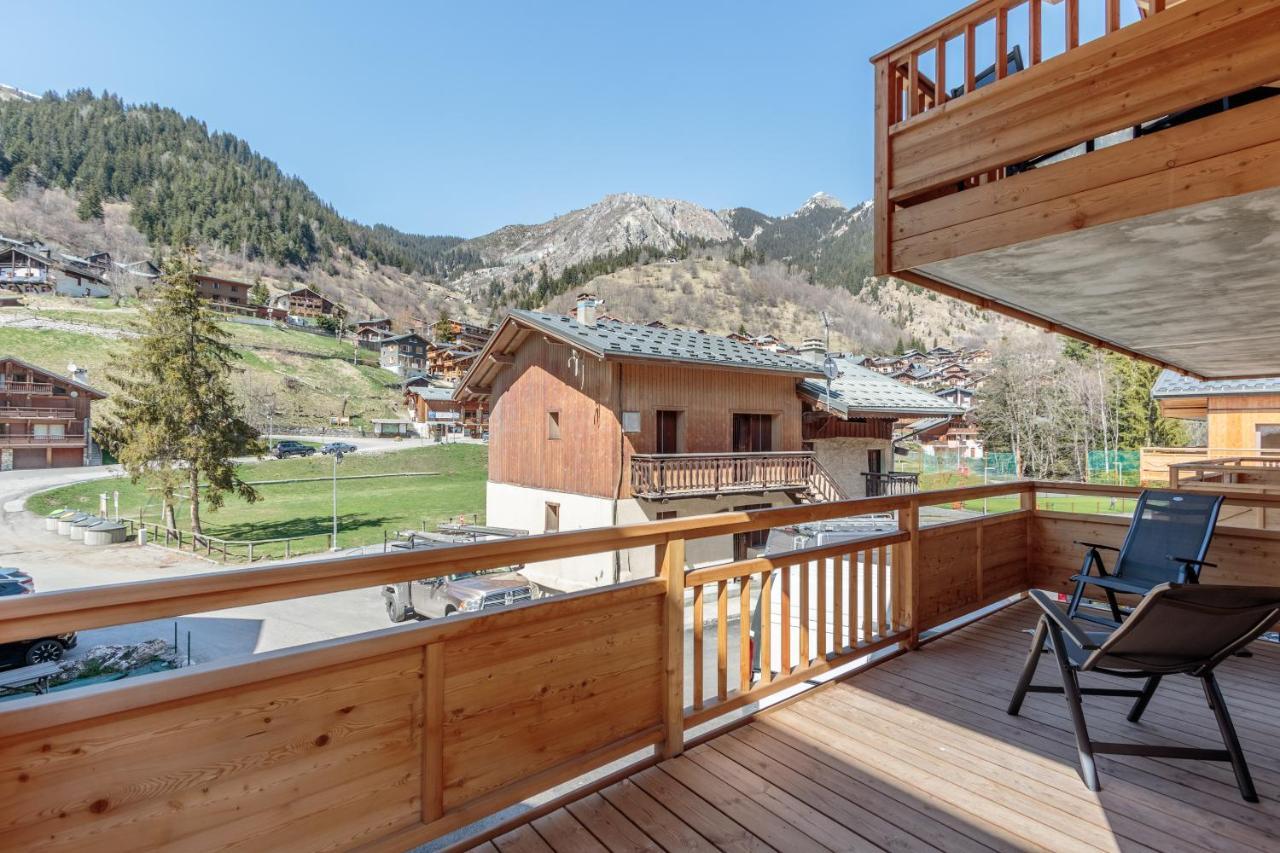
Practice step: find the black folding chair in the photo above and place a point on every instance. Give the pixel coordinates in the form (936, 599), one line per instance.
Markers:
(1176, 629)
(1166, 543)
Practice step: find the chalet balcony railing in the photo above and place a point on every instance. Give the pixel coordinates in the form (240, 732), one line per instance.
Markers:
(37, 413)
(388, 740)
(684, 474)
(26, 439)
(1237, 471)
(23, 276)
(885, 484)
(33, 388)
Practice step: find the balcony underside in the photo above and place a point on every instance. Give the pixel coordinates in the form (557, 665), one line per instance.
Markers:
(919, 753)
(1193, 287)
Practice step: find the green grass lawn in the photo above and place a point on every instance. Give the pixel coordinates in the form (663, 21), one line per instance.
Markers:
(1054, 503)
(366, 508)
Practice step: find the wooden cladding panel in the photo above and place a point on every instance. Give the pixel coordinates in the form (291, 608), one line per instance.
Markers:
(322, 760)
(1187, 56)
(521, 701)
(816, 426)
(1243, 556)
(547, 377)
(967, 564)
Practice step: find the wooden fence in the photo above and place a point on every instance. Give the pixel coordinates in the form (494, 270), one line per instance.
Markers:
(389, 739)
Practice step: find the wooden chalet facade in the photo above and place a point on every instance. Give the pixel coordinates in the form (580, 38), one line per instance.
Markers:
(405, 355)
(598, 423)
(373, 331)
(450, 361)
(45, 418)
(436, 413)
(30, 269)
(305, 304)
(220, 290)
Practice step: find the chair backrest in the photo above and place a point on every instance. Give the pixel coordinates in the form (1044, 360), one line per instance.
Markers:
(1188, 627)
(1166, 524)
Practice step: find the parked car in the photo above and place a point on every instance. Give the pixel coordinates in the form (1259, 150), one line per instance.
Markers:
(338, 447)
(465, 592)
(28, 652)
(285, 449)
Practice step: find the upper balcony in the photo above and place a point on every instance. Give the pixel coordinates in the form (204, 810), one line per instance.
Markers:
(32, 389)
(1088, 185)
(36, 413)
(682, 475)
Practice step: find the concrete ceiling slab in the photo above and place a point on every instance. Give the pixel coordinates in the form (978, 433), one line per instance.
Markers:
(1197, 287)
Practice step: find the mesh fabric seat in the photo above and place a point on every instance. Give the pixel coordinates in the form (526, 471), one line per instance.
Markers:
(1166, 543)
(1177, 629)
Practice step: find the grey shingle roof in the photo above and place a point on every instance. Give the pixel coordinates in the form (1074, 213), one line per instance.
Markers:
(628, 340)
(1170, 384)
(860, 390)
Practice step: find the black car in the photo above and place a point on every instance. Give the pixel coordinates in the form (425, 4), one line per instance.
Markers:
(285, 449)
(27, 652)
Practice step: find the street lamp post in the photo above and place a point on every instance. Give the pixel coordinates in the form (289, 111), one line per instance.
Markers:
(337, 457)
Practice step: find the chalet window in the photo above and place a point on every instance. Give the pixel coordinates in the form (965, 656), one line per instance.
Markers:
(553, 425)
(551, 519)
(875, 461)
(752, 433)
(668, 437)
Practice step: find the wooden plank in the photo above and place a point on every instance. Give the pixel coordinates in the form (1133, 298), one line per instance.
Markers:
(715, 825)
(940, 51)
(433, 676)
(884, 117)
(1002, 43)
(1073, 24)
(868, 595)
(837, 603)
(671, 562)
(651, 817)
(610, 826)
(1231, 173)
(564, 834)
(522, 840)
(1113, 15)
(744, 633)
(853, 594)
(970, 69)
(765, 640)
(882, 593)
(784, 616)
(909, 521)
(821, 600)
(722, 639)
(698, 661)
(1171, 63)
(1035, 34)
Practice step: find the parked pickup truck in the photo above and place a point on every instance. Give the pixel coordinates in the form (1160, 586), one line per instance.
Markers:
(285, 449)
(465, 592)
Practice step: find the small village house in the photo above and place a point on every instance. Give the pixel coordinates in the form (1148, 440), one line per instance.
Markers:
(404, 355)
(25, 268)
(45, 418)
(373, 331)
(221, 290)
(435, 412)
(304, 305)
(450, 361)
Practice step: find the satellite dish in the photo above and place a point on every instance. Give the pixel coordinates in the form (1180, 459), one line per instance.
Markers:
(830, 369)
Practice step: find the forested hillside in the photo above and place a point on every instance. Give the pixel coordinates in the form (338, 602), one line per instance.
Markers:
(187, 184)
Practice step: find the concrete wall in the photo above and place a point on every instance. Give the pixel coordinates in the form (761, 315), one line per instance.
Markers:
(846, 460)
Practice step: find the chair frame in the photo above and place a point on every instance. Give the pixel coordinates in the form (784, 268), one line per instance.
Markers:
(1057, 627)
(1189, 571)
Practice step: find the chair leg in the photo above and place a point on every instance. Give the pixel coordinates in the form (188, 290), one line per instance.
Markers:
(1148, 690)
(1115, 606)
(1074, 604)
(1075, 704)
(1219, 705)
(1029, 668)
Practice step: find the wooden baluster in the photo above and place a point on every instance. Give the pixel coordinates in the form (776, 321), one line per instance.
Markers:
(913, 85)
(722, 640)
(867, 593)
(1113, 15)
(970, 59)
(806, 578)
(670, 558)
(822, 608)
(882, 593)
(1157, 6)
(1035, 27)
(940, 51)
(784, 614)
(765, 642)
(1073, 24)
(837, 604)
(909, 521)
(853, 599)
(697, 645)
(1002, 43)
(744, 633)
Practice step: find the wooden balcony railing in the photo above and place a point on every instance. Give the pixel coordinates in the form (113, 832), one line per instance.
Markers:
(37, 413)
(36, 388)
(685, 474)
(944, 146)
(389, 739)
(26, 439)
(893, 483)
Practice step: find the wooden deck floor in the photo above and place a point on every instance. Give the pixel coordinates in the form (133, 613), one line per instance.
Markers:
(919, 753)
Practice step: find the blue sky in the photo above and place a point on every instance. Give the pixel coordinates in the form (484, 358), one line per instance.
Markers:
(462, 117)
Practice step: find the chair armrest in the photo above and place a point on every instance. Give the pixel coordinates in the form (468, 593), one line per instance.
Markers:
(1190, 561)
(1059, 617)
(1097, 545)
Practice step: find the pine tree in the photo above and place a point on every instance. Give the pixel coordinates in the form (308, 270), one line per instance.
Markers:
(176, 419)
(90, 206)
(259, 294)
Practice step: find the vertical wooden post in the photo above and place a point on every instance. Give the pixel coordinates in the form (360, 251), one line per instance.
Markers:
(1173, 477)
(433, 732)
(909, 521)
(1073, 24)
(1002, 43)
(913, 85)
(670, 557)
(697, 645)
(884, 118)
(1034, 34)
(1113, 15)
(970, 58)
(1027, 501)
(722, 640)
(940, 91)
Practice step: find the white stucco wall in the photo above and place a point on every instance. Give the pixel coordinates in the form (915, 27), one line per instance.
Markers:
(524, 508)
(846, 459)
